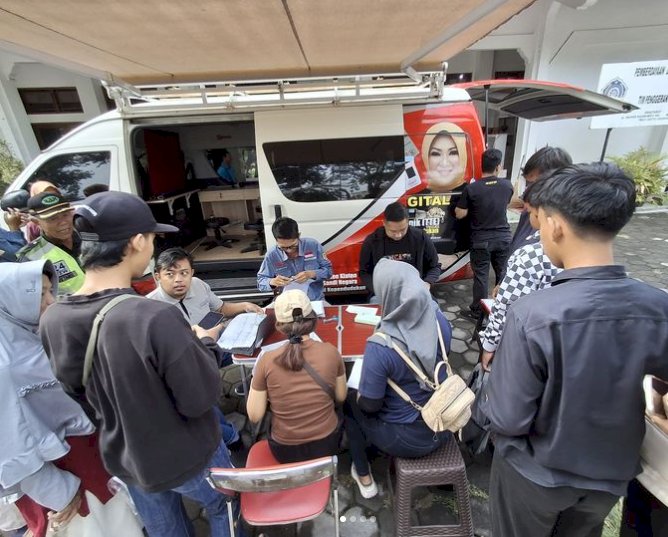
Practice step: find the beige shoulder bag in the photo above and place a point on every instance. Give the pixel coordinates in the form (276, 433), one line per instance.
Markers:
(449, 408)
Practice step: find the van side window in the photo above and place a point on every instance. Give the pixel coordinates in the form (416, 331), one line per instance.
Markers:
(336, 169)
(73, 172)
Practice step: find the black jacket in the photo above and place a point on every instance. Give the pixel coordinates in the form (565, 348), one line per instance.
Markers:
(565, 395)
(153, 385)
(373, 250)
(523, 233)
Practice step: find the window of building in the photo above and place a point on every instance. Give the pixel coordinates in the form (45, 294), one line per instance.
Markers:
(336, 169)
(73, 172)
(50, 100)
(47, 133)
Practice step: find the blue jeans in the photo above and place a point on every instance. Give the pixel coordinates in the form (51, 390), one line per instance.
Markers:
(164, 515)
(230, 433)
(396, 439)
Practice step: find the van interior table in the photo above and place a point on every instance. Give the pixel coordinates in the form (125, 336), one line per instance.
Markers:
(169, 200)
(239, 206)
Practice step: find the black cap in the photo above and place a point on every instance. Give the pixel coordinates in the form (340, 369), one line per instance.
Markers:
(18, 199)
(114, 216)
(48, 204)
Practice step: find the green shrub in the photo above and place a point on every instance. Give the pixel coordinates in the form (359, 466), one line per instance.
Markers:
(650, 173)
(10, 166)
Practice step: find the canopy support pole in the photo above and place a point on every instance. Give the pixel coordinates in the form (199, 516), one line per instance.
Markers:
(486, 114)
(605, 143)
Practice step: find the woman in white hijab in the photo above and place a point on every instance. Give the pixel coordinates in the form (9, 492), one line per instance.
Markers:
(47, 447)
(377, 414)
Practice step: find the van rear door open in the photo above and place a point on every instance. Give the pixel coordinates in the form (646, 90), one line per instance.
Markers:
(542, 101)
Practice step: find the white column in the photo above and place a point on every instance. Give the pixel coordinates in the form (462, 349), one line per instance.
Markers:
(14, 123)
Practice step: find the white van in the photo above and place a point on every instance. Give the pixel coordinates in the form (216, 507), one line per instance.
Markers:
(330, 154)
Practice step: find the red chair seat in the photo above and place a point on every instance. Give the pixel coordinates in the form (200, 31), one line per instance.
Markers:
(286, 506)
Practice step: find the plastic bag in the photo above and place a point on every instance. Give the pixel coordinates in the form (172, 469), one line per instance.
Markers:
(476, 435)
(112, 519)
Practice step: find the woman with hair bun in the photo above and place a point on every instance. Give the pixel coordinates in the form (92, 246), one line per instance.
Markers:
(303, 381)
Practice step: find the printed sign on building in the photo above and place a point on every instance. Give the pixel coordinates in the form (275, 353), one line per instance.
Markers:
(644, 84)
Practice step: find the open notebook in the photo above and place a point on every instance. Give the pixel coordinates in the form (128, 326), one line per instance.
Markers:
(246, 332)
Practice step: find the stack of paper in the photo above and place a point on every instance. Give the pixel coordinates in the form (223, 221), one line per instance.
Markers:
(299, 286)
(245, 333)
(363, 310)
(355, 375)
(365, 318)
(318, 307)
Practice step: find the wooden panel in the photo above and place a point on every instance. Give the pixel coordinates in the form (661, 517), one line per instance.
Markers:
(232, 194)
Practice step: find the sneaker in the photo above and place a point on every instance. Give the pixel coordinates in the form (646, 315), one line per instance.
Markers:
(367, 491)
(473, 315)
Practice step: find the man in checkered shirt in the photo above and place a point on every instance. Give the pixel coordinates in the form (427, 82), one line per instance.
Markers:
(529, 269)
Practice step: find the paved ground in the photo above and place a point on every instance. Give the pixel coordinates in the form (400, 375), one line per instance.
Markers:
(642, 247)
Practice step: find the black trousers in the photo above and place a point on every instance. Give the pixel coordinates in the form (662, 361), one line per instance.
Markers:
(483, 253)
(644, 515)
(323, 447)
(521, 508)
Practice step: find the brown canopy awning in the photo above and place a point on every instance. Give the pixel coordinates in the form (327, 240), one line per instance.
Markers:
(169, 41)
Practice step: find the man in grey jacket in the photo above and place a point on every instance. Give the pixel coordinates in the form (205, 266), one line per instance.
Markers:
(565, 395)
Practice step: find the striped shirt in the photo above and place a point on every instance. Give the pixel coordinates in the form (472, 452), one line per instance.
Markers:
(529, 269)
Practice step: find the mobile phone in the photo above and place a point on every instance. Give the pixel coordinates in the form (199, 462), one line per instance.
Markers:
(210, 320)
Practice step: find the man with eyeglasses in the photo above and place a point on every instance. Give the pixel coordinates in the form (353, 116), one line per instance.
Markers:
(294, 259)
(177, 285)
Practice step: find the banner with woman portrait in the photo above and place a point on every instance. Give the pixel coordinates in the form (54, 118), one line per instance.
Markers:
(442, 155)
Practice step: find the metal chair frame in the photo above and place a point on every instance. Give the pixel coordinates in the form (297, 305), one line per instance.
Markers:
(275, 479)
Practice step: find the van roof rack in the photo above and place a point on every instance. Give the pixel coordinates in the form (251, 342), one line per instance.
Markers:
(240, 95)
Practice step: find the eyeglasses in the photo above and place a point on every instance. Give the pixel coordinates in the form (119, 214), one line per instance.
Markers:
(289, 248)
(170, 275)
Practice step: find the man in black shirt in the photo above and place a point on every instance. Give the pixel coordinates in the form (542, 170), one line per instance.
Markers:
(485, 202)
(565, 397)
(398, 241)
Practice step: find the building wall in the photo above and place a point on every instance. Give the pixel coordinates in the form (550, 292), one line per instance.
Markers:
(563, 44)
(17, 72)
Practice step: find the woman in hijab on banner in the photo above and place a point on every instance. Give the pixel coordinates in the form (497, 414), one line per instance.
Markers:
(445, 158)
(376, 414)
(48, 449)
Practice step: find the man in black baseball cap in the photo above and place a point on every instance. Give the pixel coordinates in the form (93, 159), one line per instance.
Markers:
(58, 242)
(154, 381)
(114, 216)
